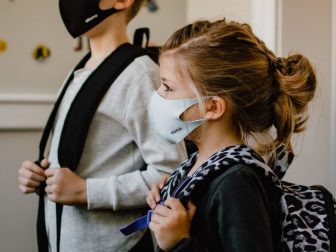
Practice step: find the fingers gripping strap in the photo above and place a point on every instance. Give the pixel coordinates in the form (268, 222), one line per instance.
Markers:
(143, 222)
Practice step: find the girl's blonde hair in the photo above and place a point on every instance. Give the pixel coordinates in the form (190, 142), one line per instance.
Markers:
(226, 59)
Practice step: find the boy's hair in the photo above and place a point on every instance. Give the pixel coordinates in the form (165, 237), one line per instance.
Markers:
(134, 9)
(261, 90)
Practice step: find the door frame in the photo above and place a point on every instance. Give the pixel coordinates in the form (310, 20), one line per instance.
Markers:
(332, 169)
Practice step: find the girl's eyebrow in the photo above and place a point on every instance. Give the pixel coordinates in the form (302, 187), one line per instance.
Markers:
(163, 79)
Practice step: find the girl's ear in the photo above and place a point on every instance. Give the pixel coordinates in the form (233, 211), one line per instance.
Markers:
(215, 107)
(117, 4)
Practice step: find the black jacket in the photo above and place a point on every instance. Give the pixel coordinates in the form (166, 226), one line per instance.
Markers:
(238, 211)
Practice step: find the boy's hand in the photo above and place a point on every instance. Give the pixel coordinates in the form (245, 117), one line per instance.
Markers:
(65, 187)
(154, 196)
(31, 175)
(171, 222)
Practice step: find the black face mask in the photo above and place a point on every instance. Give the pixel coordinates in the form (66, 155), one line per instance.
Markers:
(79, 16)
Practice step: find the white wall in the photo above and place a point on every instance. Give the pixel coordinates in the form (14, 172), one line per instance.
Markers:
(25, 24)
(17, 212)
(307, 28)
(264, 21)
(239, 10)
(170, 16)
(260, 14)
(28, 87)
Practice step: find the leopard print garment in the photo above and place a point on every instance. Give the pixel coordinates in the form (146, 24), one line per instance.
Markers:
(305, 225)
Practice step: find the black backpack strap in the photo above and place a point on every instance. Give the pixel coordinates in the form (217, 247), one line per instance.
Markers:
(86, 102)
(143, 33)
(83, 108)
(331, 218)
(42, 238)
(47, 129)
(139, 36)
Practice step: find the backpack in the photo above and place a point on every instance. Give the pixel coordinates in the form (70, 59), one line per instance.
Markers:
(308, 213)
(308, 218)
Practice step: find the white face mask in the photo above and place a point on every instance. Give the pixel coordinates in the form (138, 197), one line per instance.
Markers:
(165, 115)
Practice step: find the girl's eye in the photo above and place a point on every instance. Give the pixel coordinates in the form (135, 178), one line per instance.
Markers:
(167, 88)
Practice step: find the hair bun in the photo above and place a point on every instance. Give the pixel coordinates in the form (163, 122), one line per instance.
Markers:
(279, 64)
(296, 88)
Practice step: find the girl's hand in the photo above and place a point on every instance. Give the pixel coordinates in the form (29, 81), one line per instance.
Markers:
(154, 196)
(171, 222)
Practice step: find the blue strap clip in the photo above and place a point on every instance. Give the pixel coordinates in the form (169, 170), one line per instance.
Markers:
(143, 222)
(138, 224)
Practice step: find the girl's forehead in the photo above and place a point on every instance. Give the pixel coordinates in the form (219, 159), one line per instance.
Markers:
(167, 60)
(171, 68)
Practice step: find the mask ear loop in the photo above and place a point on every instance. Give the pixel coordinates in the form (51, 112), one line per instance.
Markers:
(185, 105)
(202, 111)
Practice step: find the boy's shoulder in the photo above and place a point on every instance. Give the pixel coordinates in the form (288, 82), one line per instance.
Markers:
(142, 69)
(143, 64)
(140, 76)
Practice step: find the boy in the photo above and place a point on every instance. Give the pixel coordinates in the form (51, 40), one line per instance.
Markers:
(118, 144)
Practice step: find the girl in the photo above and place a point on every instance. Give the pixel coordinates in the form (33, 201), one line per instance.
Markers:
(224, 89)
